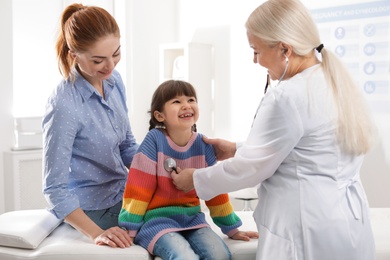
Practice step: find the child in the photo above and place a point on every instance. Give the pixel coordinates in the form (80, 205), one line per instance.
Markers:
(168, 222)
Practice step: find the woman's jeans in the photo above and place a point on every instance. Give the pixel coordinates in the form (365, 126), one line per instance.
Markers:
(201, 243)
(105, 218)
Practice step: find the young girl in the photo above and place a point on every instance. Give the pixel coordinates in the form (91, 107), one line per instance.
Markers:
(168, 222)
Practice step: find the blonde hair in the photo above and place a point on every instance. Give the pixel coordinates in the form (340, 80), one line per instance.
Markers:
(288, 21)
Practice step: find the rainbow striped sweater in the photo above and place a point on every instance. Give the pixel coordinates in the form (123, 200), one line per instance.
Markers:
(152, 206)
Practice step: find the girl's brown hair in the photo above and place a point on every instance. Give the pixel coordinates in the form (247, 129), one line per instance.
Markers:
(165, 92)
(81, 27)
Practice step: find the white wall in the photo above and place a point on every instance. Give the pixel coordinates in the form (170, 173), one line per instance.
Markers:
(149, 23)
(33, 54)
(238, 81)
(6, 61)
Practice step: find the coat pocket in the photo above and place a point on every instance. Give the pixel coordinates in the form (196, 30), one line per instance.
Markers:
(272, 246)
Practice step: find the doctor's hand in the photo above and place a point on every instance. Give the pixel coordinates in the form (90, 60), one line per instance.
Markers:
(183, 179)
(223, 149)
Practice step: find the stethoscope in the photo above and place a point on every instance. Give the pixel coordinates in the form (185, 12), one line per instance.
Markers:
(170, 165)
(268, 83)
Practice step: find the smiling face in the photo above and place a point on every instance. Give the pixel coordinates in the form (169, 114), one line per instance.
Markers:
(98, 62)
(269, 57)
(179, 113)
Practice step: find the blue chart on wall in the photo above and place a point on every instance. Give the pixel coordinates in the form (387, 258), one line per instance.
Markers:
(360, 35)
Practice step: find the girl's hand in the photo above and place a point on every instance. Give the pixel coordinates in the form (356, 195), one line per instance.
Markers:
(245, 235)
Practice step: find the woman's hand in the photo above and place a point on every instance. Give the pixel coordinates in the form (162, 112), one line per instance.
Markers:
(245, 235)
(223, 149)
(115, 237)
(183, 179)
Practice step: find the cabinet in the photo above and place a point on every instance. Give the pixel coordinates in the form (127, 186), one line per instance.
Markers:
(192, 62)
(23, 180)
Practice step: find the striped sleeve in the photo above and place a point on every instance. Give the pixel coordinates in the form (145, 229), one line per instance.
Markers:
(140, 186)
(221, 210)
(223, 215)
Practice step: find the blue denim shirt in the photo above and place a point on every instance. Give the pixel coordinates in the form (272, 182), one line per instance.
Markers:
(88, 145)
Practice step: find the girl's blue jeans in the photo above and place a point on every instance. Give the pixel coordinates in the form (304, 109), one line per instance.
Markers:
(201, 243)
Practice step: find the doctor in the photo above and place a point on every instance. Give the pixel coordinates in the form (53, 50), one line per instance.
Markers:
(306, 146)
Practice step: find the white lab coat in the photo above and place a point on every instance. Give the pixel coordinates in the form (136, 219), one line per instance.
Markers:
(311, 205)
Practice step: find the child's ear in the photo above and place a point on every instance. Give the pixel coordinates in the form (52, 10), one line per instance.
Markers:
(159, 116)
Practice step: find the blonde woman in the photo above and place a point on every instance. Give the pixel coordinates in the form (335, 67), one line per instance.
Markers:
(306, 146)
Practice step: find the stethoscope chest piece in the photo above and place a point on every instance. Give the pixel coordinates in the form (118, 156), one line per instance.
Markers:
(170, 165)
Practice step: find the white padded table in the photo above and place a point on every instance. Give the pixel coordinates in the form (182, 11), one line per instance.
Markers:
(65, 243)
